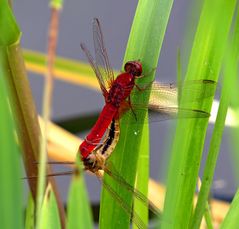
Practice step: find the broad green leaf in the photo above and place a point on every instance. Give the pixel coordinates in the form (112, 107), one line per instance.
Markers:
(144, 44)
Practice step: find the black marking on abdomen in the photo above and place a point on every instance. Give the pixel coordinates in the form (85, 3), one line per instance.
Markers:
(110, 138)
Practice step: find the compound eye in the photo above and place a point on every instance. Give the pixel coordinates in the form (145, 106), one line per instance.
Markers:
(133, 67)
(128, 67)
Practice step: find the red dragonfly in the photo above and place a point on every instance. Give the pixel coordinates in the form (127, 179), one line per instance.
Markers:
(117, 93)
(100, 142)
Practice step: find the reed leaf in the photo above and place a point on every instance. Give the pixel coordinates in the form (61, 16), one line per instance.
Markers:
(144, 43)
(78, 208)
(30, 213)
(50, 215)
(205, 63)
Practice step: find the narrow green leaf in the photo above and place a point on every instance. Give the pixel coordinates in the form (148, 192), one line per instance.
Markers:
(205, 63)
(10, 32)
(144, 43)
(30, 213)
(78, 208)
(50, 217)
(143, 176)
(231, 219)
(11, 215)
(229, 78)
(11, 185)
(14, 77)
(79, 212)
(234, 132)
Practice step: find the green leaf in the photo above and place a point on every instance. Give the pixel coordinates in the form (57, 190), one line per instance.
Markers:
(234, 132)
(10, 173)
(231, 219)
(11, 185)
(14, 77)
(50, 217)
(229, 78)
(205, 63)
(10, 33)
(144, 43)
(78, 208)
(30, 212)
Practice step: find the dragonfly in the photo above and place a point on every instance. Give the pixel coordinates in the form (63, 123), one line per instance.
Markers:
(117, 92)
(99, 144)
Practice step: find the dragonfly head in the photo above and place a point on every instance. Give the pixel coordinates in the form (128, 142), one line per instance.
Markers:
(133, 67)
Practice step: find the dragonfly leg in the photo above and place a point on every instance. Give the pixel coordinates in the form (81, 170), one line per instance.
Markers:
(131, 108)
(145, 87)
(147, 73)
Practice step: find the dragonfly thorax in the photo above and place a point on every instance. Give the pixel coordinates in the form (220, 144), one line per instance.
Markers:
(121, 89)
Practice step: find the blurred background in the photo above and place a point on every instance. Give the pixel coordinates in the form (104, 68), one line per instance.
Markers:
(71, 100)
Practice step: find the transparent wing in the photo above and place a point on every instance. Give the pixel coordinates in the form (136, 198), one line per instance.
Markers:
(163, 102)
(95, 68)
(169, 94)
(101, 57)
(125, 206)
(156, 114)
(136, 193)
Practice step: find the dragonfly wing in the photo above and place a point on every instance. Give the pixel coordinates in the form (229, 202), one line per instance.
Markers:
(95, 68)
(101, 57)
(137, 194)
(128, 209)
(169, 94)
(136, 114)
(163, 102)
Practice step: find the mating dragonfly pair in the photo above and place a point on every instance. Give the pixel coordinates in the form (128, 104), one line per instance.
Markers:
(103, 137)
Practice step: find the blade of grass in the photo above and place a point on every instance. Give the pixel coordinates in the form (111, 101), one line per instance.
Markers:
(144, 43)
(205, 63)
(230, 75)
(231, 219)
(234, 132)
(11, 187)
(11, 65)
(50, 217)
(78, 208)
(29, 219)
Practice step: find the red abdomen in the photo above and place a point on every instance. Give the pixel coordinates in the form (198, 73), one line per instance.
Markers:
(97, 132)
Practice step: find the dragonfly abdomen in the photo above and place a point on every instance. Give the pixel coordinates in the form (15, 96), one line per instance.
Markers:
(98, 130)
